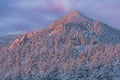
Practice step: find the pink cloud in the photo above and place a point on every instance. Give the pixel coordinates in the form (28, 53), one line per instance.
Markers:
(54, 6)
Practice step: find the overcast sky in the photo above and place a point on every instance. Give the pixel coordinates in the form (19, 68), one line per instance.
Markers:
(26, 15)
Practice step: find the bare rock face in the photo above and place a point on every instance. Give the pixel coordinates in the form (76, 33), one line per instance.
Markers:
(17, 42)
(14, 44)
(7, 40)
(73, 47)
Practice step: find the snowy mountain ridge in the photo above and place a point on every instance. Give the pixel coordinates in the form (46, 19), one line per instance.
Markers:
(73, 47)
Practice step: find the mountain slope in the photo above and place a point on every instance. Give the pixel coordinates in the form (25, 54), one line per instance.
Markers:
(73, 47)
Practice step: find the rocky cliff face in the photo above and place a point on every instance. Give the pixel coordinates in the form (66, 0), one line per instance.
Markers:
(73, 47)
(7, 40)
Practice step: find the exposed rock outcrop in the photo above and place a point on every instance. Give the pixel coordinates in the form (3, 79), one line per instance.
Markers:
(23, 40)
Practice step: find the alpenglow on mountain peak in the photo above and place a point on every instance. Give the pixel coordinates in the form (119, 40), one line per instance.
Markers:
(73, 16)
(75, 20)
(74, 13)
(72, 47)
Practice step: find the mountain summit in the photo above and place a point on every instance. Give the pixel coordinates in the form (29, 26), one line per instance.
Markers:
(74, 13)
(72, 17)
(73, 47)
(75, 20)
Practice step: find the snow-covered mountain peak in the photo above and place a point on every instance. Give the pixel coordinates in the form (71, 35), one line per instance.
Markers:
(72, 47)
